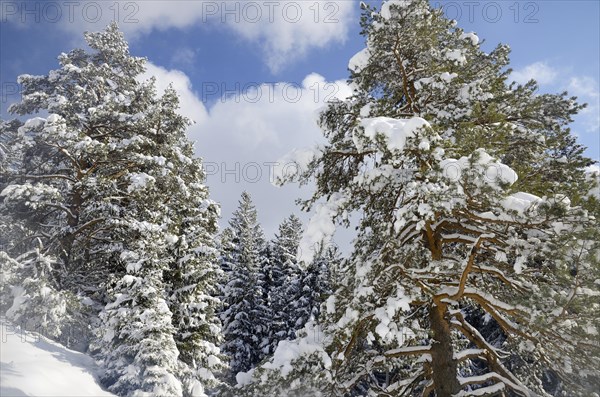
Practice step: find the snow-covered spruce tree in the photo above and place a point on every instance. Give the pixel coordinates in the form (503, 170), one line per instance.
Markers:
(269, 274)
(100, 185)
(174, 261)
(10, 153)
(29, 294)
(435, 150)
(138, 347)
(224, 241)
(36, 305)
(194, 273)
(11, 229)
(315, 285)
(246, 316)
(286, 281)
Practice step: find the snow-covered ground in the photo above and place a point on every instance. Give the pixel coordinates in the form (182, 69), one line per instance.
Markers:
(31, 365)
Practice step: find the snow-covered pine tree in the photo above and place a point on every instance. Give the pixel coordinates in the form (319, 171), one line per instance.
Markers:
(246, 316)
(436, 151)
(73, 169)
(99, 184)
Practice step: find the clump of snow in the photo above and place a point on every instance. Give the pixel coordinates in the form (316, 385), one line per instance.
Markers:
(244, 378)
(491, 171)
(387, 329)
(330, 304)
(501, 256)
(19, 298)
(592, 173)
(422, 81)
(72, 68)
(320, 228)
(473, 91)
(35, 366)
(470, 36)
(54, 118)
(365, 111)
(363, 268)
(447, 77)
(386, 12)
(34, 123)
(197, 390)
(521, 202)
(360, 60)
(288, 351)
(171, 238)
(518, 266)
(139, 181)
(394, 131)
(350, 316)
(456, 56)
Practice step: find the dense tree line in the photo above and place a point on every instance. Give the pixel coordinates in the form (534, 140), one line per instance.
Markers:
(268, 294)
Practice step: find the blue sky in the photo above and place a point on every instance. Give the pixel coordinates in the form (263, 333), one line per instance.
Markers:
(292, 56)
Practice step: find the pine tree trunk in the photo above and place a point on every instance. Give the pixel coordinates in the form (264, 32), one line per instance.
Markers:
(443, 364)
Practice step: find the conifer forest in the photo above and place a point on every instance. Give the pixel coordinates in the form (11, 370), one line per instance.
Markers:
(474, 262)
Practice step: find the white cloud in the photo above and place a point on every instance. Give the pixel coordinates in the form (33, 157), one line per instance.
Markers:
(190, 105)
(584, 86)
(241, 136)
(588, 91)
(539, 71)
(290, 29)
(279, 114)
(284, 30)
(245, 134)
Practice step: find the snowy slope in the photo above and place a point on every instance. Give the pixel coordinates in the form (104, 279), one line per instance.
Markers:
(32, 365)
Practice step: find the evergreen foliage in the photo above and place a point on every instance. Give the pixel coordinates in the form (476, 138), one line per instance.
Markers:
(114, 213)
(472, 195)
(286, 280)
(246, 316)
